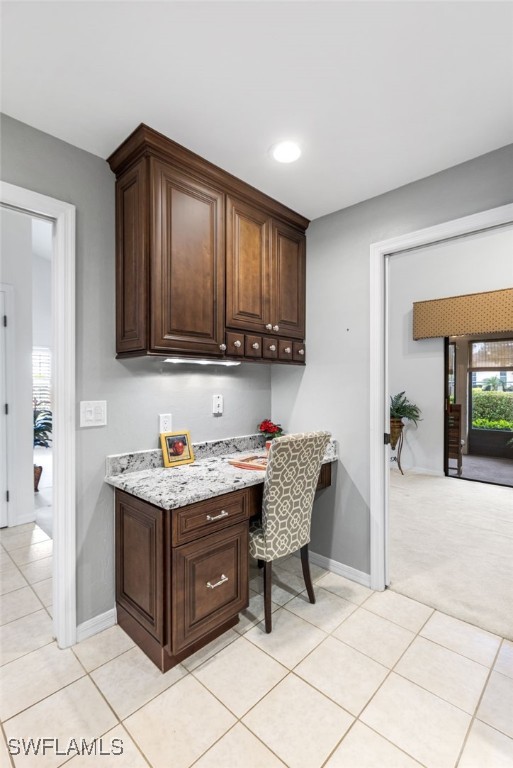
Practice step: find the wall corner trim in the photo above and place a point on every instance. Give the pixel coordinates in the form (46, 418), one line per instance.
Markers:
(96, 624)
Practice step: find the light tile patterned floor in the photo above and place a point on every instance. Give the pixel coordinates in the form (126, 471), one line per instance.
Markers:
(358, 680)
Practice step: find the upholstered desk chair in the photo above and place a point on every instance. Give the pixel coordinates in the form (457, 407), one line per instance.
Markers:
(290, 481)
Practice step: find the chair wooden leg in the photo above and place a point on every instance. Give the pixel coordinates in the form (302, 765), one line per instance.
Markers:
(306, 573)
(268, 578)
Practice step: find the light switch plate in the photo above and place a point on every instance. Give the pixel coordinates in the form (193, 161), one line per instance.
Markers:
(217, 405)
(93, 413)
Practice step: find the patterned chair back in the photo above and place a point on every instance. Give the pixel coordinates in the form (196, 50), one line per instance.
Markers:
(289, 488)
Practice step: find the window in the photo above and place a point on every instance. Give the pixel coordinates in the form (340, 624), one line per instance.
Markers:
(42, 377)
(487, 355)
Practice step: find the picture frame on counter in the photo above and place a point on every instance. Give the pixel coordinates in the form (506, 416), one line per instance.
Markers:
(176, 448)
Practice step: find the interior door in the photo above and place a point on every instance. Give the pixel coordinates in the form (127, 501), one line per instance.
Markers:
(3, 416)
(452, 415)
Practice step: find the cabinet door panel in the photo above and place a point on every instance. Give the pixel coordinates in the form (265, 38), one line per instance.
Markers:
(131, 260)
(247, 267)
(187, 269)
(288, 283)
(139, 561)
(209, 584)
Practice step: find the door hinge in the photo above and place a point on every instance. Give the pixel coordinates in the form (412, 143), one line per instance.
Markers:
(7, 495)
(387, 438)
(6, 409)
(5, 321)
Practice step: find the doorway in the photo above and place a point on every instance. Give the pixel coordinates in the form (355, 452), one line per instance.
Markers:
(379, 373)
(62, 216)
(479, 408)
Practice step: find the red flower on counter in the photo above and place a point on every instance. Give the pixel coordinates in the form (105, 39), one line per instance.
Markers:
(270, 429)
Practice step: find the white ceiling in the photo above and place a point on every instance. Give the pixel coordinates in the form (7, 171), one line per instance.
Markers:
(378, 94)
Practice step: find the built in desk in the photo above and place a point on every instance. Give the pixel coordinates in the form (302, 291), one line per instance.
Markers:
(182, 544)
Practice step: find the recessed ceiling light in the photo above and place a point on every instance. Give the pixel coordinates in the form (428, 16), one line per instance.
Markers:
(286, 151)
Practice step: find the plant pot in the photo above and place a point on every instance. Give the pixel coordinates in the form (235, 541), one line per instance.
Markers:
(37, 477)
(396, 427)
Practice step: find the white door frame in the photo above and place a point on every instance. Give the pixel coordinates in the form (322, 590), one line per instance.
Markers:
(63, 384)
(379, 394)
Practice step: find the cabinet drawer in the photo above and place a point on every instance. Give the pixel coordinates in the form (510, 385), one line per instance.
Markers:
(269, 348)
(209, 585)
(235, 344)
(253, 347)
(298, 352)
(208, 516)
(285, 349)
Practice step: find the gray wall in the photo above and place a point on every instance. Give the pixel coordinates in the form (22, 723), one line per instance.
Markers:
(136, 390)
(333, 390)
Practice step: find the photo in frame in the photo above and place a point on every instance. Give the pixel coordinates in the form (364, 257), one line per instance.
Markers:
(176, 448)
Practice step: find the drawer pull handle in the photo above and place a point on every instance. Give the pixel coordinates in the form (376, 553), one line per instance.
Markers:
(276, 328)
(211, 518)
(237, 343)
(256, 345)
(301, 351)
(222, 347)
(272, 348)
(268, 327)
(222, 580)
(287, 350)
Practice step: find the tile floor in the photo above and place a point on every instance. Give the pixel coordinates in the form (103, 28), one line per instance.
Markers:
(358, 680)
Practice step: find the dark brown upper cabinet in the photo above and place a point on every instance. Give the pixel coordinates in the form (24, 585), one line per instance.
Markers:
(265, 272)
(200, 254)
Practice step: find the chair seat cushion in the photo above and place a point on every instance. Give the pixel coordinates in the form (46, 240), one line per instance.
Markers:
(257, 547)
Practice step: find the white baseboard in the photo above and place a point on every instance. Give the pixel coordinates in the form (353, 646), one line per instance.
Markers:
(340, 569)
(96, 624)
(27, 517)
(423, 471)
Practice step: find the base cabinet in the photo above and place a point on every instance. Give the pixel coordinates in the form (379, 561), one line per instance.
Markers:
(173, 597)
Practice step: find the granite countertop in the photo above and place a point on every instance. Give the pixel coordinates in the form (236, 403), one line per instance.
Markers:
(210, 475)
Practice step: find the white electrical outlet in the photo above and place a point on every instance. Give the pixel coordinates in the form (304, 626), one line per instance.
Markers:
(165, 422)
(217, 405)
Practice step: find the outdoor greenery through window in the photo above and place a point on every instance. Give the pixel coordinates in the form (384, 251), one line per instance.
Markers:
(491, 371)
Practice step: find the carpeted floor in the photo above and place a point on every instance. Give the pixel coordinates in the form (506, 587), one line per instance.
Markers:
(486, 469)
(451, 547)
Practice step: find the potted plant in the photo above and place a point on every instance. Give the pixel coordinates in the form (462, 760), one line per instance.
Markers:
(270, 430)
(401, 408)
(42, 437)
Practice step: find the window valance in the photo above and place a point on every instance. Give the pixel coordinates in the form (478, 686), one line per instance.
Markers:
(489, 312)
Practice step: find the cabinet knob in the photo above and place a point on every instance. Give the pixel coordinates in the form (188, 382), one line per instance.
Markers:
(222, 580)
(301, 351)
(272, 348)
(287, 350)
(222, 347)
(256, 345)
(268, 327)
(237, 343)
(276, 328)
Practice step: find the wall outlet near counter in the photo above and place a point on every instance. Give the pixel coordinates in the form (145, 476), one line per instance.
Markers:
(165, 422)
(217, 405)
